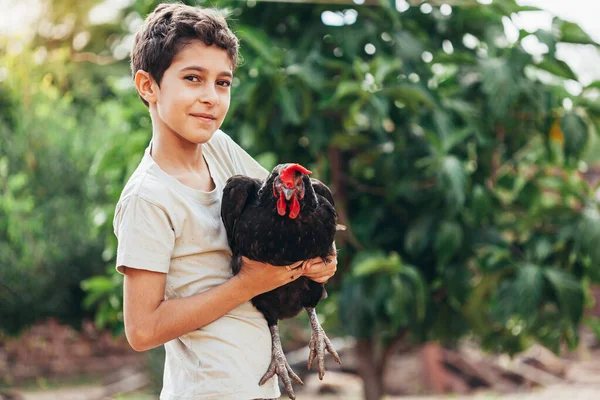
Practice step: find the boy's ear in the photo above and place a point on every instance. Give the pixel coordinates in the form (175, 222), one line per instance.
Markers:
(146, 86)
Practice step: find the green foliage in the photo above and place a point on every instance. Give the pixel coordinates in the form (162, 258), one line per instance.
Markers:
(453, 161)
(54, 118)
(48, 239)
(381, 297)
(107, 301)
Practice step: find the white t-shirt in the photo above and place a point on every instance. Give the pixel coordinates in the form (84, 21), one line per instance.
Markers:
(164, 226)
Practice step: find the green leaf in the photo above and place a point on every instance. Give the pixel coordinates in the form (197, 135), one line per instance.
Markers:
(365, 293)
(417, 235)
(456, 138)
(377, 263)
(576, 134)
(593, 85)
(452, 179)
(568, 292)
(542, 249)
(527, 289)
(588, 236)
(260, 42)
(413, 276)
(499, 84)
(481, 202)
(411, 95)
(557, 67)
(348, 88)
(309, 76)
(398, 305)
(592, 107)
(549, 39)
(288, 105)
(406, 303)
(570, 32)
(509, 7)
(100, 284)
(17, 182)
(448, 240)
(385, 67)
(443, 125)
(408, 46)
(97, 288)
(458, 279)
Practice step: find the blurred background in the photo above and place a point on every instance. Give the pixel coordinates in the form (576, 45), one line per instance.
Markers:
(460, 139)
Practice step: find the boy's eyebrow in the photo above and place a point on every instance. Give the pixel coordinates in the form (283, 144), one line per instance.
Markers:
(202, 69)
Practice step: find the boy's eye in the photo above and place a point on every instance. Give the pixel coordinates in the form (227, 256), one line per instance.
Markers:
(192, 78)
(224, 83)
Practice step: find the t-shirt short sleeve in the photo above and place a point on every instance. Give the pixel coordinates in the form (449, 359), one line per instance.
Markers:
(145, 235)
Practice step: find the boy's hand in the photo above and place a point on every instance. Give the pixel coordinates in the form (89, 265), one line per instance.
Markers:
(262, 277)
(320, 271)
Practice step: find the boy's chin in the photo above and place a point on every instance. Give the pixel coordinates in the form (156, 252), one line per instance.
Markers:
(199, 136)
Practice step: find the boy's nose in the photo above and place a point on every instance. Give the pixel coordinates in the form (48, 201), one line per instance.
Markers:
(209, 96)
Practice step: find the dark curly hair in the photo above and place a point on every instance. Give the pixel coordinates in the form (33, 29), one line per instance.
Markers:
(169, 28)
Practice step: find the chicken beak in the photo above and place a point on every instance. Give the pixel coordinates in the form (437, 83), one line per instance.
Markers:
(288, 193)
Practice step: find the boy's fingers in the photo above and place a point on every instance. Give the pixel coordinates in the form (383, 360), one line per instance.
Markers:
(324, 266)
(309, 264)
(293, 266)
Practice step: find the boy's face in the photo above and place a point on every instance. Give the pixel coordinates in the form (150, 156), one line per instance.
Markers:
(194, 93)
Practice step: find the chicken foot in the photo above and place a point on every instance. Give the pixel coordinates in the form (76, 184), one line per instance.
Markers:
(318, 343)
(279, 365)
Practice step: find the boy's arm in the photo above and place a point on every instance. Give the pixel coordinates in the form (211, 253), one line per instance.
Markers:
(150, 320)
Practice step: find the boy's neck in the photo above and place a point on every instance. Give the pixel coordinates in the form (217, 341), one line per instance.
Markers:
(176, 154)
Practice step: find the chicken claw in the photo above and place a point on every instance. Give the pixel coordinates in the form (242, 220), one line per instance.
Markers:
(279, 365)
(318, 343)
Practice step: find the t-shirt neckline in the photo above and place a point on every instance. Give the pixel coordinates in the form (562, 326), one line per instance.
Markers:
(199, 195)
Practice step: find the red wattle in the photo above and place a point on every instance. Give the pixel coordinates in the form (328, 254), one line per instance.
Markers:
(295, 208)
(281, 205)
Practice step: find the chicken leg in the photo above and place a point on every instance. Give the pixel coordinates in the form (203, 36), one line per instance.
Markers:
(318, 343)
(279, 365)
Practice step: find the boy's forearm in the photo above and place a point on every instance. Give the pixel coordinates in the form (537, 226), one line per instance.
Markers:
(176, 317)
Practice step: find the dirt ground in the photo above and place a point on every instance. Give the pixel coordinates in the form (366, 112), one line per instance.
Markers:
(559, 392)
(576, 377)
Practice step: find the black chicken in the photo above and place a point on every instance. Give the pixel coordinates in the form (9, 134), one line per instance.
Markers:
(262, 227)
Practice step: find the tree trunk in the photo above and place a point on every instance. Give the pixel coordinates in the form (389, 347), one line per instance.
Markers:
(433, 368)
(369, 369)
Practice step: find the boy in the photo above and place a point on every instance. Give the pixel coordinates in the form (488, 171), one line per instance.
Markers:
(173, 251)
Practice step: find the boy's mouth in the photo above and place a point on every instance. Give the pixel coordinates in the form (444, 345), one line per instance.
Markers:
(204, 117)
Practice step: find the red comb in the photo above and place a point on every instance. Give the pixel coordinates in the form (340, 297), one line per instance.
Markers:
(287, 174)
